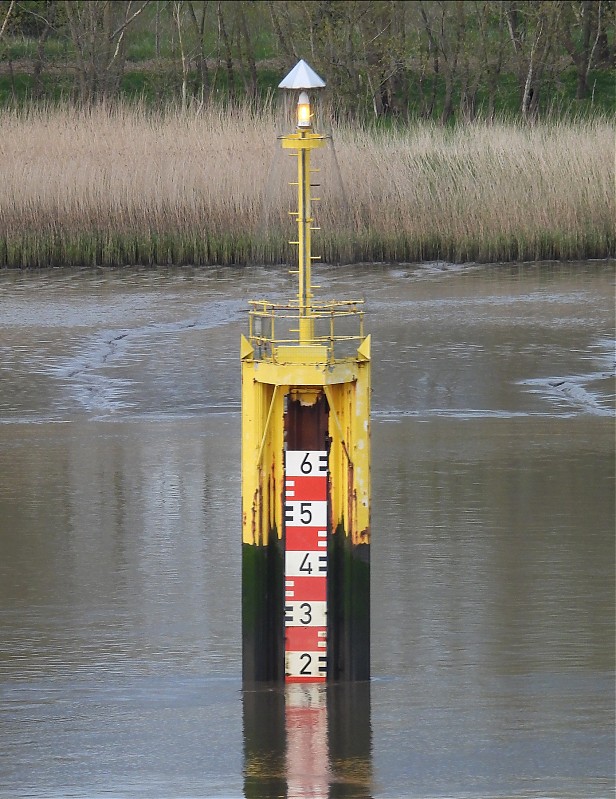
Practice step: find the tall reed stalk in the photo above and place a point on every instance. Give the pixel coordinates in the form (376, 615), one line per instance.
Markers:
(121, 185)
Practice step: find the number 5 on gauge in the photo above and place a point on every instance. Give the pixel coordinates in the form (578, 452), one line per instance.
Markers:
(305, 514)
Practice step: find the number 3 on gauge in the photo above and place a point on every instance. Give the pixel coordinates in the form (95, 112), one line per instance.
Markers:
(306, 609)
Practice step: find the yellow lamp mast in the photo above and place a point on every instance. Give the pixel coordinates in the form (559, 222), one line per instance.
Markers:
(303, 142)
(304, 220)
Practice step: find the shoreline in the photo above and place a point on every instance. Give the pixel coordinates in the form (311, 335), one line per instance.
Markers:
(99, 250)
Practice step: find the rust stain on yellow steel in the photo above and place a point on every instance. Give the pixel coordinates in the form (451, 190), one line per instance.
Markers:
(265, 385)
(349, 459)
(262, 457)
(305, 374)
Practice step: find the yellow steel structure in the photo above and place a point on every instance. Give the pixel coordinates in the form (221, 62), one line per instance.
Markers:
(303, 142)
(306, 352)
(303, 372)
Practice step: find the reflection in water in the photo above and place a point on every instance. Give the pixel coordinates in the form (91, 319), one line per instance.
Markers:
(308, 770)
(308, 741)
(264, 743)
(350, 739)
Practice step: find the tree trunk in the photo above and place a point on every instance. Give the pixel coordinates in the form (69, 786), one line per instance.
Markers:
(38, 63)
(199, 28)
(177, 18)
(249, 51)
(448, 101)
(223, 35)
(283, 42)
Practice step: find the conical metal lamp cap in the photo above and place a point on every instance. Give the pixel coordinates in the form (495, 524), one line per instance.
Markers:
(302, 76)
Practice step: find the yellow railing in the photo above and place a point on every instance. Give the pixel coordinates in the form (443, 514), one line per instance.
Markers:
(338, 325)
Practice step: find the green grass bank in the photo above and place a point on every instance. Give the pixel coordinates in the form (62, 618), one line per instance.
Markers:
(128, 186)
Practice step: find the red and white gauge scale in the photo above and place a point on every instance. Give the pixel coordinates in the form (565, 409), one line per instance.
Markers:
(305, 572)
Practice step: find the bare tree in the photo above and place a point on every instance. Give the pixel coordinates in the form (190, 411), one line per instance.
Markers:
(483, 57)
(581, 28)
(445, 26)
(532, 31)
(97, 31)
(225, 41)
(279, 15)
(199, 30)
(246, 50)
(177, 10)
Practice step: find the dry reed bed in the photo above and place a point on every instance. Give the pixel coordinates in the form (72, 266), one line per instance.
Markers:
(124, 186)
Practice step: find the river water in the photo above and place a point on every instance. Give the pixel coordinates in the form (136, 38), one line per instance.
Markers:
(492, 547)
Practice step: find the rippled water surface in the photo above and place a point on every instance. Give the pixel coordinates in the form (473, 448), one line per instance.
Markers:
(492, 549)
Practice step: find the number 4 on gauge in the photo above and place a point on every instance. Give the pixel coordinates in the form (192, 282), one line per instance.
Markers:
(313, 562)
(300, 563)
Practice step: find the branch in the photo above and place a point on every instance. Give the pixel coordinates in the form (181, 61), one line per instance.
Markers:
(6, 19)
(117, 49)
(127, 22)
(37, 16)
(512, 34)
(380, 33)
(122, 30)
(529, 76)
(594, 46)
